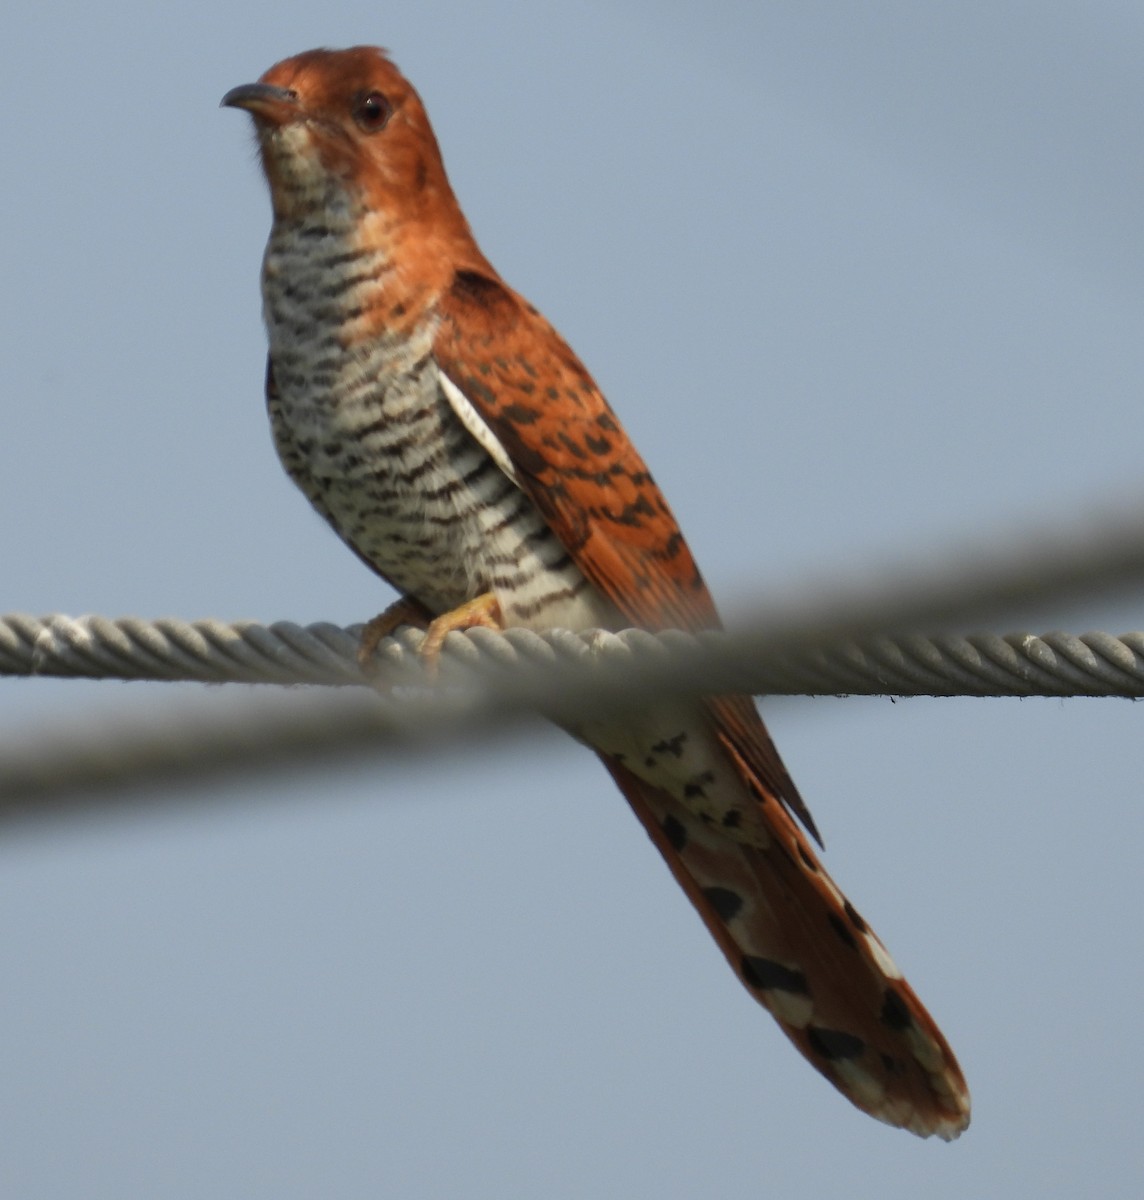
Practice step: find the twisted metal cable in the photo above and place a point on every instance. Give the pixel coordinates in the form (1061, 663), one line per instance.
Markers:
(832, 641)
(208, 651)
(909, 664)
(832, 646)
(492, 682)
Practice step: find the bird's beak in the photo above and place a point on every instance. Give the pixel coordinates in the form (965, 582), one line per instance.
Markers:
(264, 101)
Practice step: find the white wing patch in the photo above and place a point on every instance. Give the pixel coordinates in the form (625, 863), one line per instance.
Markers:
(471, 419)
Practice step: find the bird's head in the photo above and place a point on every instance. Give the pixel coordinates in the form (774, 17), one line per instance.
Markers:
(346, 125)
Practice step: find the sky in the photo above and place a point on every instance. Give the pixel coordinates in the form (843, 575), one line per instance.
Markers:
(865, 284)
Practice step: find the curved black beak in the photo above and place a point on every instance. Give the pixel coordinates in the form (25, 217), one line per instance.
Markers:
(263, 100)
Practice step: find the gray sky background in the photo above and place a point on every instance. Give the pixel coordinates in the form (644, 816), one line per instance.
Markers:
(864, 282)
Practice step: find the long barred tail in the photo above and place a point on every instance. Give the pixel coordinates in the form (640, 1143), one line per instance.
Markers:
(803, 951)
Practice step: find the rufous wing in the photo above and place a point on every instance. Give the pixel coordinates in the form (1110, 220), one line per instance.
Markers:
(789, 933)
(573, 458)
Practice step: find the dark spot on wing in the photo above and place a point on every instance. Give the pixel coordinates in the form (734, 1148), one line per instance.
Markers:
(768, 975)
(672, 745)
(843, 930)
(725, 902)
(675, 833)
(855, 919)
(834, 1044)
(522, 414)
(696, 787)
(478, 289)
(894, 1013)
(807, 861)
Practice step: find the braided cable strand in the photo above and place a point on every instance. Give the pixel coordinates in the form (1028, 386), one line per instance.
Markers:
(493, 681)
(830, 642)
(837, 646)
(208, 651)
(1018, 664)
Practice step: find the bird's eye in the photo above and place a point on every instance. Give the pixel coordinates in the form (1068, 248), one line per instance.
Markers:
(372, 111)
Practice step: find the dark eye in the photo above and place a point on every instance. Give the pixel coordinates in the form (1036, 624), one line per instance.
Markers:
(372, 110)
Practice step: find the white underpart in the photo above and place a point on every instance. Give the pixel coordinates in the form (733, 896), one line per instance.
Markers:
(401, 463)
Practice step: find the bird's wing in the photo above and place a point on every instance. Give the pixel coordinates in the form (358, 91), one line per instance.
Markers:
(568, 452)
(798, 945)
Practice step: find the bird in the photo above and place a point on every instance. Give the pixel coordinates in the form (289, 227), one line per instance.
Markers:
(462, 450)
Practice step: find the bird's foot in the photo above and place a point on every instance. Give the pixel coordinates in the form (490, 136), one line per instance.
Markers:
(404, 611)
(484, 611)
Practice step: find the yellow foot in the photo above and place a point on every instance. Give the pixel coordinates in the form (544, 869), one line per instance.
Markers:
(405, 611)
(484, 611)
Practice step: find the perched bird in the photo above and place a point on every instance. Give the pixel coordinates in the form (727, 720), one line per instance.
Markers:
(463, 452)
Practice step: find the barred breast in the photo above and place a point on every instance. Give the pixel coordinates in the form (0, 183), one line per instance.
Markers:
(368, 428)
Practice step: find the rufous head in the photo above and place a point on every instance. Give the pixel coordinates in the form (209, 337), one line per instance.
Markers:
(346, 125)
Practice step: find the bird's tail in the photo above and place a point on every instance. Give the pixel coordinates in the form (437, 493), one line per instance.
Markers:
(803, 952)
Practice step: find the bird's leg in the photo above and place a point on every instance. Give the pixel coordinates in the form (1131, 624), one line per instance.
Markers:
(403, 611)
(484, 611)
